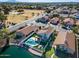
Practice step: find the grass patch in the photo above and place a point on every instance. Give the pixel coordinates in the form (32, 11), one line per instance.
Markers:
(49, 53)
(55, 56)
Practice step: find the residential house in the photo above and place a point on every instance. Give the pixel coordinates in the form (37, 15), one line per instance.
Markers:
(26, 31)
(73, 11)
(65, 41)
(65, 11)
(77, 16)
(45, 33)
(55, 20)
(44, 19)
(69, 22)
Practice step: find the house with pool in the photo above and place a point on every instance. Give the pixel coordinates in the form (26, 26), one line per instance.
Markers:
(38, 41)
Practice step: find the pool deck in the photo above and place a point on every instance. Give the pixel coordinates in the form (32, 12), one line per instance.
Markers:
(13, 44)
(35, 52)
(25, 38)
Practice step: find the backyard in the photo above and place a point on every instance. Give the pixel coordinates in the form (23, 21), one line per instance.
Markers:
(34, 42)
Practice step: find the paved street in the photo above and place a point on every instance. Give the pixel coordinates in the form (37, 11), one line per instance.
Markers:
(27, 22)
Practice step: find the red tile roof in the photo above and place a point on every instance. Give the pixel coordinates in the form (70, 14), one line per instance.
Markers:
(69, 20)
(65, 36)
(28, 29)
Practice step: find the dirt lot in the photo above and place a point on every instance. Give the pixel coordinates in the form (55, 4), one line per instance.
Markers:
(18, 18)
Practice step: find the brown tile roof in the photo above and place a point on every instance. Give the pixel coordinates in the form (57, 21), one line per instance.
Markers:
(60, 39)
(69, 20)
(65, 36)
(28, 29)
(71, 41)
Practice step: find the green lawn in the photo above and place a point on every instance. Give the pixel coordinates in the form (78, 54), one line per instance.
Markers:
(55, 56)
(34, 35)
(49, 53)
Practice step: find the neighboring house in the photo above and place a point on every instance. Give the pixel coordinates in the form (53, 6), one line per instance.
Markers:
(77, 16)
(69, 22)
(65, 11)
(65, 41)
(26, 30)
(55, 21)
(73, 11)
(44, 19)
(59, 10)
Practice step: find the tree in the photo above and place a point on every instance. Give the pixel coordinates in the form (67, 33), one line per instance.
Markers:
(70, 9)
(55, 15)
(20, 10)
(3, 34)
(6, 9)
(33, 13)
(75, 29)
(2, 19)
(47, 10)
(4, 39)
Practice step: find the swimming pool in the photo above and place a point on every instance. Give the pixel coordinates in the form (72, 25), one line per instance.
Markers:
(31, 42)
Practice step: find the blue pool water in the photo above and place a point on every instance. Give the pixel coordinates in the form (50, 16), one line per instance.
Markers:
(31, 42)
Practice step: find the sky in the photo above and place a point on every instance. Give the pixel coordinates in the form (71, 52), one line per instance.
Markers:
(42, 0)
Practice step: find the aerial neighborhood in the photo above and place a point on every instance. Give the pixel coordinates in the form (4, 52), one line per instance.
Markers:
(41, 30)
